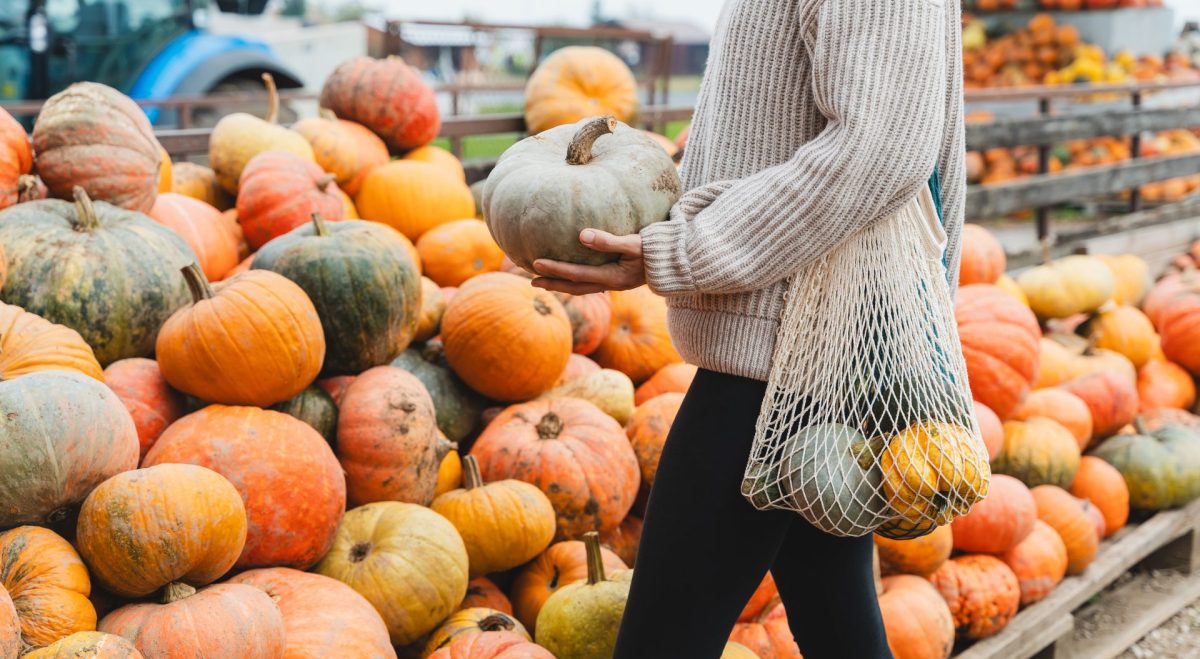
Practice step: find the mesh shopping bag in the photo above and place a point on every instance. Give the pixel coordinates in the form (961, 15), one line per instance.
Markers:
(867, 424)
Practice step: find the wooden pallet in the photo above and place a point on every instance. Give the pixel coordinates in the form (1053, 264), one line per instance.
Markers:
(1169, 540)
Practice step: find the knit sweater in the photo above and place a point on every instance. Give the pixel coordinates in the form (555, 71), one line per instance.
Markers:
(815, 118)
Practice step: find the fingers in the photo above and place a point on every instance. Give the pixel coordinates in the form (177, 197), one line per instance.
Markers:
(603, 241)
(564, 286)
(587, 274)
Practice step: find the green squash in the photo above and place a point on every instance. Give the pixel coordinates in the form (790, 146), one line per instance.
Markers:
(110, 274)
(315, 407)
(1161, 468)
(458, 407)
(831, 476)
(363, 283)
(581, 620)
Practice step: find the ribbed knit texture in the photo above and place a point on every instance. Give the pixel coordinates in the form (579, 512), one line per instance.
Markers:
(815, 118)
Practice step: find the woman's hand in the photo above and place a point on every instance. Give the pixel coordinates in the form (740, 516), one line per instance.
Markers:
(626, 273)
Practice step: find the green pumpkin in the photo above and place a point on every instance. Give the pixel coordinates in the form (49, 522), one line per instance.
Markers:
(110, 274)
(363, 283)
(581, 620)
(315, 407)
(1161, 468)
(458, 407)
(833, 481)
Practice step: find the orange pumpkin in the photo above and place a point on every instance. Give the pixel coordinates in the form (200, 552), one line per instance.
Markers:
(504, 338)
(47, 583)
(413, 197)
(578, 367)
(1102, 485)
(767, 634)
(1166, 290)
(30, 343)
(982, 592)
(670, 378)
(920, 556)
(999, 522)
(1067, 516)
(439, 157)
(274, 460)
(230, 217)
(1163, 384)
(765, 595)
(387, 438)
(454, 252)
(279, 191)
(1062, 406)
(991, 429)
(16, 158)
(10, 627)
(468, 622)
(983, 259)
(1124, 330)
(492, 645)
(1180, 328)
(916, 618)
(346, 149)
(648, 429)
(561, 564)
(336, 387)
(624, 539)
(252, 340)
(482, 592)
(577, 82)
(1065, 357)
(590, 317)
(1000, 344)
(199, 182)
(637, 343)
(1039, 561)
(202, 228)
(151, 402)
(1111, 398)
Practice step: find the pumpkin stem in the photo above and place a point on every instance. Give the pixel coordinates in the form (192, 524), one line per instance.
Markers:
(319, 226)
(85, 212)
(197, 282)
(540, 306)
(26, 188)
(471, 477)
(595, 560)
(175, 591)
(326, 113)
(550, 426)
(1139, 425)
(272, 98)
(497, 622)
(579, 151)
(324, 181)
(432, 351)
(359, 552)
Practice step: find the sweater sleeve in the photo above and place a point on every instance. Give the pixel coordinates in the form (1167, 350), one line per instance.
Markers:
(879, 77)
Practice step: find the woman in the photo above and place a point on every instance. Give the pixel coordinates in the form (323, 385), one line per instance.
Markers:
(815, 118)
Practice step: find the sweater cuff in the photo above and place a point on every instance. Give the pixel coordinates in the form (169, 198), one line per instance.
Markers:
(665, 258)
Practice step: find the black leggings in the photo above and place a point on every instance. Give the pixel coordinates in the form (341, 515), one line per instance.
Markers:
(704, 548)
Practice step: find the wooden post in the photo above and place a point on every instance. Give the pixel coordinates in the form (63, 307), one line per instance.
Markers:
(1135, 151)
(1043, 212)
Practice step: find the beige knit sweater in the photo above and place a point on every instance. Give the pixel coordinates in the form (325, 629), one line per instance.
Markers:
(815, 118)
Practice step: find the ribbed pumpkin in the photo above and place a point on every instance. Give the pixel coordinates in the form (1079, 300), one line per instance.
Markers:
(573, 452)
(581, 619)
(254, 339)
(1160, 467)
(238, 137)
(561, 564)
(1163, 384)
(65, 433)
(916, 618)
(387, 438)
(436, 155)
(609, 390)
(1009, 287)
(315, 407)
(983, 594)
(507, 340)
(983, 259)
(1102, 485)
(454, 252)
(999, 522)
(190, 518)
(577, 82)
(202, 228)
(387, 96)
(433, 305)
(578, 367)
(199, 182)
(590, 316)
(92, 136)
(637, 343)
(624, 539)
(346, 149)
(991, 429)
(1131, 276)
(1068, 517)
(152, 403)
(47, 583)
(670, 378)
(1167, 289)
(648, 429)
(16, 158)
(1038, 451)
(1000, 344)
(10, 627)
(274, 461)
(920, 556)
(1065, 357)
(503, 524)
(87, 645)
(456, 405)
(767, 634)
(279, 191)
(413, 197)
(30, 343)
(408, 561)
(492, 645)
(1125, 330)
(109, 274)
(226, 620)
(482, 592)
(1039, 561)
(1111, 398)
(468, 622)
(1180, 328)
(327, 260)
(1061, 406)
(1071, 285)
(323, 617)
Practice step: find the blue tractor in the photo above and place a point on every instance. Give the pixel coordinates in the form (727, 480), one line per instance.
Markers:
(149, 49)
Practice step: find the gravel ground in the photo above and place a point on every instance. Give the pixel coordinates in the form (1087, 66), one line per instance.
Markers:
(1177, 638)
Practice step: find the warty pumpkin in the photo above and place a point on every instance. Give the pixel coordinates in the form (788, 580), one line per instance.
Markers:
(638, 343)
(1062, 406)
(30, 343)
(1131, 277)
(413, 197)
(92, 136)
(322, 617)
(1039, 561)
(609, 390)
(999, 522)
(408, 561)
(767, 634)
(597, 173)
(483, 592)
(1070, 285)
(675, 378)
(1111, 398)
(1038, 451)
(503, 524)
(436, 155)
(917, 620)
(16, 158)
(574, 453)
(87, 645)
(279, 191)
(1000, 344)
(1163, 384)
(581, 619)
(286, 473)
(433, 305)
(387, 438)
(59, 253)
(315, 407)
(225, 620)
(920, 556)
(1067, 516)
(238, 137)
(624, 539)
(346, 149)
(152, 403)
(982, 592)
(202, 228)
(257, 324)
(328, 260)
(591, 319)
(468, 622)
(200, 183)
(1104, 486)
(561, 564)
(492, 645)
(505, 339)
(1125, 330)
(1160, 467)
(578, 82)
(387, 96)
(983, 259)
(65, 433)
(48, 585)
(456, 405)
(194, 511)
(453, 252)
(933, 471)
